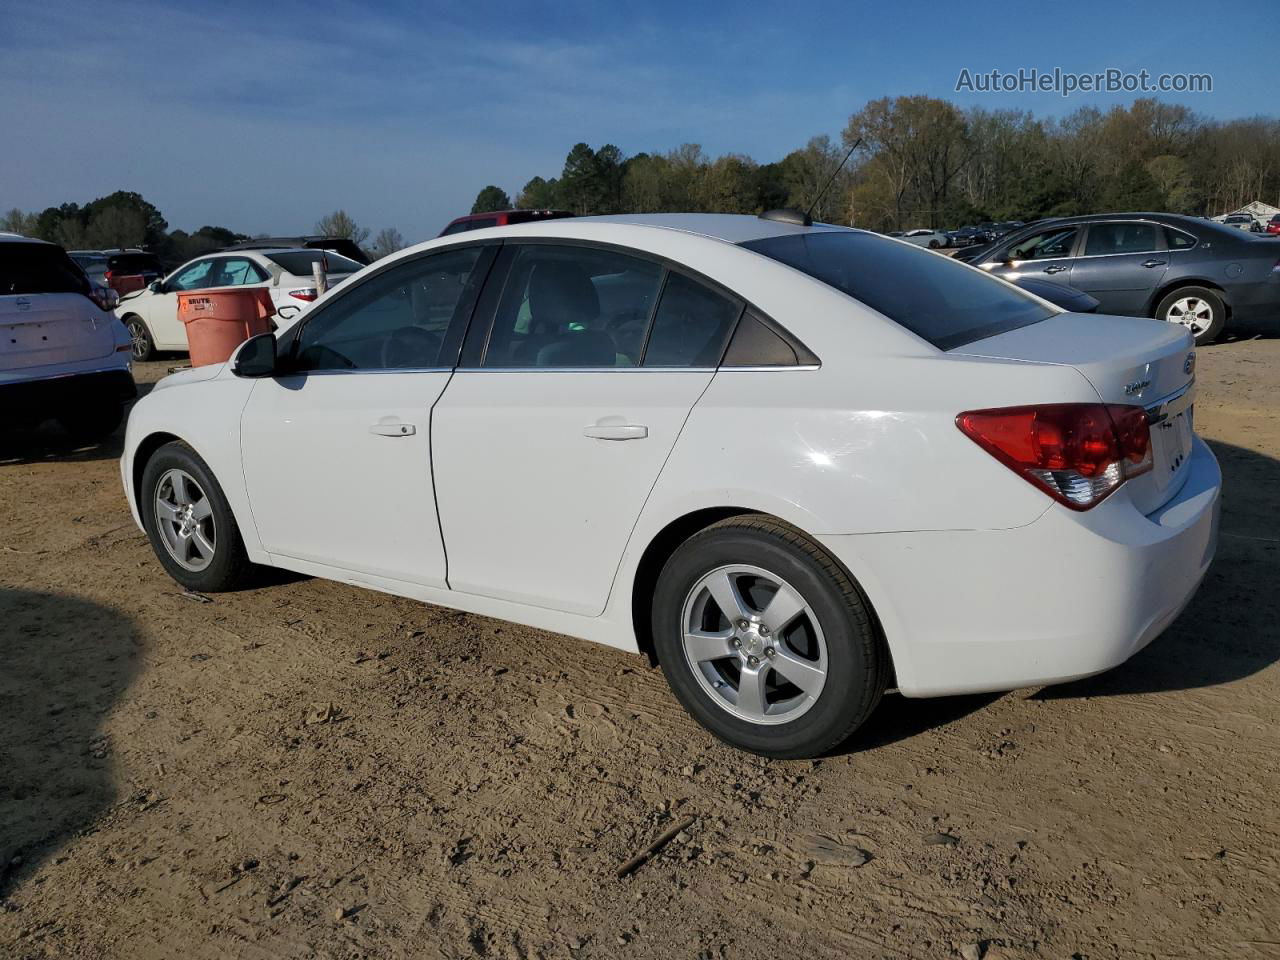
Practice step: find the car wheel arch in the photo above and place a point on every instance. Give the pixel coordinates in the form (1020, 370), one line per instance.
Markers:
(1181, 282)
(667, 540)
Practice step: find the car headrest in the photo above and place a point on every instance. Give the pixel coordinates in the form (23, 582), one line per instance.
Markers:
(561, 294)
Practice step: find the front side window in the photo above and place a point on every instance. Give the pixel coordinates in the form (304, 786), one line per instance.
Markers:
(941, 301)
(395, 320)
(1046, 245)
(1111, 238)
(566, 306)
(691, 325)
(194, 276)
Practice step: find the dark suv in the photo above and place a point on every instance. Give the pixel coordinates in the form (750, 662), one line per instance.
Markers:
(130, 270)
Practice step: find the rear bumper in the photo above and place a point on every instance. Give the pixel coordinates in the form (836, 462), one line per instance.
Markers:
(40, 398)
(1067, 596)
(1254, 302)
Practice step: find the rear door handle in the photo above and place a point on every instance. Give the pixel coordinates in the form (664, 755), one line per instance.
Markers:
(616, 431)
(1055, 269)
(392, 428)
(1154, 263)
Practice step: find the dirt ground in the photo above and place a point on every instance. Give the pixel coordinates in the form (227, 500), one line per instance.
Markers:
(306, 769)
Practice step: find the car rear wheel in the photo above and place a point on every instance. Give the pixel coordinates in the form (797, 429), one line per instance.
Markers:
(189, 522)
(765, 640)
(140, 342)
(933, 244)
(1199, 309)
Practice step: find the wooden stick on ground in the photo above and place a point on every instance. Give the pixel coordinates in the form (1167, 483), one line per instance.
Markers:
(645, 855)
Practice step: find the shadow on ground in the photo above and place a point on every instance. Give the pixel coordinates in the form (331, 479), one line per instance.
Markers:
(66, 663)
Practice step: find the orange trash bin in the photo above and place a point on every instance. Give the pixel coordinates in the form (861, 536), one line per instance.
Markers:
(218, 321)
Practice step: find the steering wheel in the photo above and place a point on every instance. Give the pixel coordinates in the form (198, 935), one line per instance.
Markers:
(409, 348)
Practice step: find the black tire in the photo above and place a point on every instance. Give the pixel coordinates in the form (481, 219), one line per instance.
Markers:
(1211, 300)
(229, 567)
(142, 346)
(93, 421)
(857, 661)
(933, 244)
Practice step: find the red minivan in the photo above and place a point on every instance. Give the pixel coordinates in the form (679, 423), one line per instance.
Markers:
(500, 218)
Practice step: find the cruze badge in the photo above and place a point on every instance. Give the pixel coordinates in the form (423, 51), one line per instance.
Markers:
(1136, 387)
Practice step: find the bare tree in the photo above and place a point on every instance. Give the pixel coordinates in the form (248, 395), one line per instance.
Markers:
(15, 221)
(340, 224)
(387, 242)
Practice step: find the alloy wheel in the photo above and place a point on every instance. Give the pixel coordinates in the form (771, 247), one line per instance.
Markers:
(754, 644)
(1193, 313)
(138, 339)
(184, 519)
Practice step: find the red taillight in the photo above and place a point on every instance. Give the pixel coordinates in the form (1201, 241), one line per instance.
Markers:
(1078, 453)
(307, 293)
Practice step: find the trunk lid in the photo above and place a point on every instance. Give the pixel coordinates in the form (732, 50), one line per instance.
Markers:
(43, 329)
(1128, 360)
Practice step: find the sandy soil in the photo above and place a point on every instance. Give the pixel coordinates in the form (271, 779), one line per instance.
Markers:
(309, 770)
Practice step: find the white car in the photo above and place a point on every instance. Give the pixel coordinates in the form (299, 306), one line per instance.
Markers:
(151, 314)
(1242, 221)
(933, 239)
(62, 355)
(796, 464)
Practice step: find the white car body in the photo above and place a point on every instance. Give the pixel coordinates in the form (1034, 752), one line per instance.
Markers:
(933, 239)
(493, 501)
(57, 348)
(156, 307)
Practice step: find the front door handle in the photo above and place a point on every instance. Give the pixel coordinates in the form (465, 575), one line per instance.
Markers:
(616, 431)
(393, 428)
(1154, 263)
(1055, 269)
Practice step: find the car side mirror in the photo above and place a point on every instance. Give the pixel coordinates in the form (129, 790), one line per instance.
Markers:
(156, 286)
(256, 357)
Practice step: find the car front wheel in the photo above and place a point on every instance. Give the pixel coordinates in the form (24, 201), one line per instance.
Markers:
(189, 522)
(765, 640)
(1199, 309)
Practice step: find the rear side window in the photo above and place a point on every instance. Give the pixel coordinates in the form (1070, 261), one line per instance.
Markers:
(39, 268)
(1179, 240)
(566, 306)
(943, 302)
(298, 262)
(691, 325)
(1109, 238)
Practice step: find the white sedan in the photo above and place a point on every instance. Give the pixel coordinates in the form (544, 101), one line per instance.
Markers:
(796, 464)
(933, 239)
(151, 314)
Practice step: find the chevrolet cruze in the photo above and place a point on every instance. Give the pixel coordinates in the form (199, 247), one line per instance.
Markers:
(795, 464)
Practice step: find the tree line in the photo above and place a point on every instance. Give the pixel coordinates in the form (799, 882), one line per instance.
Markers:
(924, 162)
(125, 219)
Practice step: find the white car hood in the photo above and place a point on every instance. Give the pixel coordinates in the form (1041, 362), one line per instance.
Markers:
(191, 375)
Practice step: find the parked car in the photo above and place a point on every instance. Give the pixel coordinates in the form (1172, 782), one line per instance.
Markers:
(969, 236)
(131, 270)
(62, 356)
(1186, 270)
(796, 463)
(1273, 225)
(93, 263)
(1242, 221)
(501, 218)
(342, 246)
(933, 239)
(151, 315)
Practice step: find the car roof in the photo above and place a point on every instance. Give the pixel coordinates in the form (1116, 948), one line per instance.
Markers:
(19, 238)
(730, 227)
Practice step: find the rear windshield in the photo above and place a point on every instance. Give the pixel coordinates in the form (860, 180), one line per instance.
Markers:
(298, 262)
(39, 268)
(943, 302)
(128, 263)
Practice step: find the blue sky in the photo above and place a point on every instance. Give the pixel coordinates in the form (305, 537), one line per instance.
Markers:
(263, 116)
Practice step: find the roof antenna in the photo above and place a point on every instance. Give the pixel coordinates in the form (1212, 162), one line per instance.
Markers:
(808, 214)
